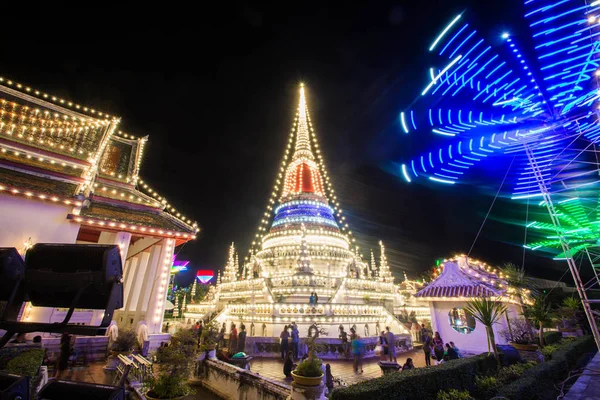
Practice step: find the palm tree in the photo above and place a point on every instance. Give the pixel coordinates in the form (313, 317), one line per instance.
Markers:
(540, 314)
(488, 312)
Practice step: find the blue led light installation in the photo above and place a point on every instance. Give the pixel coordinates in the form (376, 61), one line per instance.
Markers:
(509, 97)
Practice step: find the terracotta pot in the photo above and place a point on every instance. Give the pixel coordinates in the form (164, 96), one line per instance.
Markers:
(149, 397)
(307, 380)
(524, 347)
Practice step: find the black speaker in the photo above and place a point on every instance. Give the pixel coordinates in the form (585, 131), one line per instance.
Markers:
(12, 269)
(56, 272)
(70, 390)
(14, 387)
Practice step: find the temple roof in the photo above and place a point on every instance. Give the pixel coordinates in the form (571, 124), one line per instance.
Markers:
(56, 150)
(464, 279)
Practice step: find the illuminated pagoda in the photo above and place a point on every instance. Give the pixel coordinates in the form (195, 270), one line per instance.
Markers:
(69, 175)
(304, 246)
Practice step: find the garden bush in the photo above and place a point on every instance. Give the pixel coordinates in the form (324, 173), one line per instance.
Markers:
(552, 337)
(421, 383)
(486, 386)
(512, 372)
(538, 382)
(454, 394)
(27, 363)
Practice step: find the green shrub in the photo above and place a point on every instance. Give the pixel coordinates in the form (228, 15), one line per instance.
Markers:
(420, 383)
(538, 382)
(548, 350)
(309, 368)
(27, 363)
(512, 372)
(454, 394)
(486, 386)
(552, 337)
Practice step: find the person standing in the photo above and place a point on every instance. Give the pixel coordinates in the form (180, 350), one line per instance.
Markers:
(384, 346)
(221, 336)
(316, 298)
(241, 347)
(427, 347)
(344, 338)
(438, 347)
(295, 340)
(200, 330)
(65, 353)
(233, 339)
(391, 339)
(288, 365)
(284, 336)
(356, 350)
(328, 379)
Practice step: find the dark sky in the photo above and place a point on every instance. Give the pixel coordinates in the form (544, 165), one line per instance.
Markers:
(216, 90)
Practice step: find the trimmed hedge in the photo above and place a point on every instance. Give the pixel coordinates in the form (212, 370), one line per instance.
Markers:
(27, 363)
(420, 383)
(552, 337)
(538, 382)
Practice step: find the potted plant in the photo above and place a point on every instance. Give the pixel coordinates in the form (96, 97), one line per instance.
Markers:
(310, 371)
(519, 335)
(124, 345)
(176, 364)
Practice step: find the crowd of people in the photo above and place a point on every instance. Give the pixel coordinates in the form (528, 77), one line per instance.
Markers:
(436, 345)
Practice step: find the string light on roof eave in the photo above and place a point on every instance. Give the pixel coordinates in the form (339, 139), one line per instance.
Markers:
(44, 96)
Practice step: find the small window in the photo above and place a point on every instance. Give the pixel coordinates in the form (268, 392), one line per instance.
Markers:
(461, 320)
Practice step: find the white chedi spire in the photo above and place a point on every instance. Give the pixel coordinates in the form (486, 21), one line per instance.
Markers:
(385, 275)
(302, 148)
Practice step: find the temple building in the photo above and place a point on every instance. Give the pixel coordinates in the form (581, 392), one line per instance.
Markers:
(69, 175)
(304, 266)
(461, 280)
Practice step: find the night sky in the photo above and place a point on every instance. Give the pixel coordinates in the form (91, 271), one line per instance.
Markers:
(216, 90)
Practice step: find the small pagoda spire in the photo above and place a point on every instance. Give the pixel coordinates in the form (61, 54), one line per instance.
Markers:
(183, 303)
(193, 294)
(231, 269)
(304, 256)
(237, 265)
(385, 275)
(373, 265)
(302, 148)
(176, 307)
(218, 277)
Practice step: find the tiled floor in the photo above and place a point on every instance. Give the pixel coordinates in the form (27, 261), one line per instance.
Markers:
(343, 369)
(95, 373)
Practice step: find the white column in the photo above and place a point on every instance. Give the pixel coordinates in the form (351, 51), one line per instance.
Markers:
(122, 239)
(158, 297)
(128, 282)
(137, 282)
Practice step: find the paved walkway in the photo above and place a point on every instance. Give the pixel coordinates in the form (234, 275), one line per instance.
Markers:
(273, 369)
(587, 386)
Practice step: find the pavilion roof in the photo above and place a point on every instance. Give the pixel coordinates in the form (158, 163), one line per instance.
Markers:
(51, 147)
(463, 278)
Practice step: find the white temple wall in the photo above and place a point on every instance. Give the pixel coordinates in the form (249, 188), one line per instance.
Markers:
(476, 341)
(42, 221)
